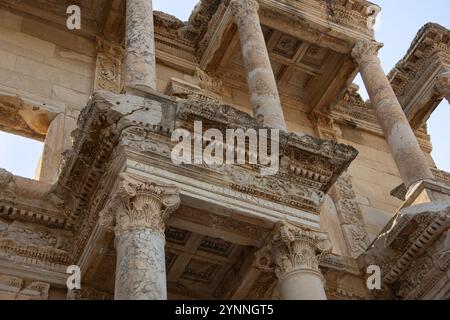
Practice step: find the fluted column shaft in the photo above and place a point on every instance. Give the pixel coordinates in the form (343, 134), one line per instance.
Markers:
(292, 254)
(261, 81)
(402, 142)
(140, 63)
(137, 214)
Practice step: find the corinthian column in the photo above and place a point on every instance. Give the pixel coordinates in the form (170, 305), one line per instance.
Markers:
(261, 81)
(138, 211)
(140, 65)
(404, 147)
(292, 253)
(443, 84)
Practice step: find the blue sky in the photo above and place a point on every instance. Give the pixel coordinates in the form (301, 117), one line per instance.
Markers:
(398, 23)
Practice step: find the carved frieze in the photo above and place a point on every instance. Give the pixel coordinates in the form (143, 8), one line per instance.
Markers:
(350, 216)
(14, 288)
(42, 244)
(352, 111)
(420, 78)
(411, 256)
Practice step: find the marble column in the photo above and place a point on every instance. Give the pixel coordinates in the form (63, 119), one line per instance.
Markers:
(138, 212)
(402, 142)
(443, 84)
(292, 254)
(140, 64)
(260, 78)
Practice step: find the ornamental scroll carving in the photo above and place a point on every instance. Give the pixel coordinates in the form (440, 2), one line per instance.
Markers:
(350, 216)
(139, 204)
(365, 51)
(293, 248)
(108, 66)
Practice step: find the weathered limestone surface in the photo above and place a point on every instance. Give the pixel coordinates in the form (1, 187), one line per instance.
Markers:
(58, 140)
(141, 268)
(443, 84)
(138, 212)
(228, 213)
(409, 157)
(140, 61)
(292, 254)
(261, 81)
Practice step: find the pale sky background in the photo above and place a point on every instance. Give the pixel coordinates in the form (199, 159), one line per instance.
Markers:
(397, 25)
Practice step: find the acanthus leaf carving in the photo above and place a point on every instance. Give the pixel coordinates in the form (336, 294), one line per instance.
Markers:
(139, 204)
(293, 248)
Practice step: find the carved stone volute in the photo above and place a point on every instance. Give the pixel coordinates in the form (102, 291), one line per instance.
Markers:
(139, 205)
(293, 248)
(365, 51)
(242, 7)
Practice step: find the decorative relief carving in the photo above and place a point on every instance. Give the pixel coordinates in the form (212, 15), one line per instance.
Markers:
(108, 66)
(365, 51)
(14, 288)
(293, 248)
(43, 244)
(185, 90)
(404, 249)
(350, 216)
(431, 41)
(243, 7)
(200, 271)
(324, 125)
(443, 84)
(210, 84)
(139, 205)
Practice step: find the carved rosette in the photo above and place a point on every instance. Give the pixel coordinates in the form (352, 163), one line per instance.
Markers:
(293, 249)
(365, 51)
(139, 205)
(443, 84)
(241, 8)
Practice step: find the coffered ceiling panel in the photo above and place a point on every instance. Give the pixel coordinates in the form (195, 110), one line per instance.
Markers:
(304, 71)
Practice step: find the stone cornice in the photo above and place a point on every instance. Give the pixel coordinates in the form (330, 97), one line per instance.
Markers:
(108, 125)
(415, 77)
(411, 236)
(296, 147)
(29, 201)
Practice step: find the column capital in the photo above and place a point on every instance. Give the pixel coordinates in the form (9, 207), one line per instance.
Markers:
(139, 204)
(443, 84)
(240, 7)
(365, 50)
(292, 248)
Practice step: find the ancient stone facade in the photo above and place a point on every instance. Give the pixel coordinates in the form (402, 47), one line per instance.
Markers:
(355, 185)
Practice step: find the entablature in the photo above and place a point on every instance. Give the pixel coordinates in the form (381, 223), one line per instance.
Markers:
(414, 78)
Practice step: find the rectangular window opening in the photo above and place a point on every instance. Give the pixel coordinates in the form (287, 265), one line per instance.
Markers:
(21, 156)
